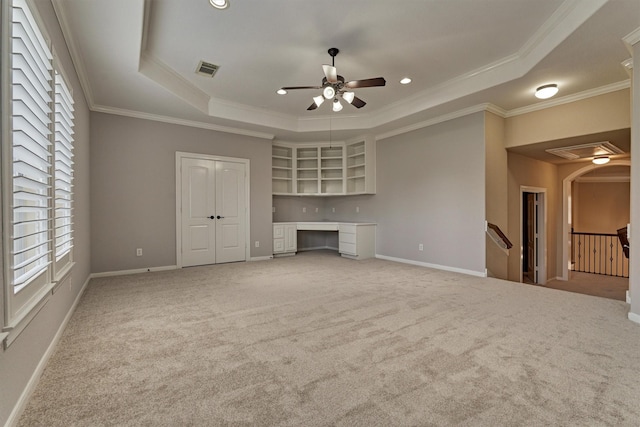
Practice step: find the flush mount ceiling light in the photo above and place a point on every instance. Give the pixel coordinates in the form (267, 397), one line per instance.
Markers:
(219, 4)
(405, 81)
(601, 160)
(281, 92)
(546, 91)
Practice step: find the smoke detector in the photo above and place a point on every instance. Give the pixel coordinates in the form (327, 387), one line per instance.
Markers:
(207, 69)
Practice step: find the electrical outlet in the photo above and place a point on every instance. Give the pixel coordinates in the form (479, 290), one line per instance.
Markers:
(421, 247)
(316, 210)
(333, 210)
(139, 252)
(257, 243)
(357, 209)
(304, 210)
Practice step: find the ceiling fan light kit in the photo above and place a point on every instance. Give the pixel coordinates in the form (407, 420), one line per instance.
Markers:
(334, 86)
(219, 4)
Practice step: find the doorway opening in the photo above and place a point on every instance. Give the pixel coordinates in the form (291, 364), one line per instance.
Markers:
(533, 232)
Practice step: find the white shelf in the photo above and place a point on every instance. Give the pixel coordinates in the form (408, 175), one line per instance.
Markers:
(323, 169)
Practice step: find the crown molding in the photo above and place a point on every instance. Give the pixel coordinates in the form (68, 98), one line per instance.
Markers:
(603, 90)
(632, 38)
(182, 122)
(434, 121)
(74, 51)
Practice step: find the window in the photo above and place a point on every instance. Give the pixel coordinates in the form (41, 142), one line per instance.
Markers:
(63, 183)
(37, 122)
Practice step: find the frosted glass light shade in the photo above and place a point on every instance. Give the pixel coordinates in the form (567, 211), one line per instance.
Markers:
(546, 91)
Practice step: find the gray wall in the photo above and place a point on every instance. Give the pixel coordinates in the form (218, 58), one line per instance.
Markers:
(133, 188)
(430, 190)
(20, 360)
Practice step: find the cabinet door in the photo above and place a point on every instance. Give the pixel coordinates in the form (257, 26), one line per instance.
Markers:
(278, 246)
(291, 238)
(278, 231)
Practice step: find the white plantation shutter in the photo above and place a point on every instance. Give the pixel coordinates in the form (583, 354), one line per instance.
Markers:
(31, 102)
(63, 169)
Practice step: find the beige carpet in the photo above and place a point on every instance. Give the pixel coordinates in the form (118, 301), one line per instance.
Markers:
(317, 340)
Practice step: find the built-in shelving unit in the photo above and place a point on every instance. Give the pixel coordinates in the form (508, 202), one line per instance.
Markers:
(324, 169)
(332, 170)
(307, 170)
(282, 169)
(356, 167)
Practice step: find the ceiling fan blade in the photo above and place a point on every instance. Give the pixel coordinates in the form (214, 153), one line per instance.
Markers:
(300, 87)
(357, 102)
(378, 81)
(312, 107)
(331, 73)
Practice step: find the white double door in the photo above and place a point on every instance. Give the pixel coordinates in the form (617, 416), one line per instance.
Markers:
(213, 211)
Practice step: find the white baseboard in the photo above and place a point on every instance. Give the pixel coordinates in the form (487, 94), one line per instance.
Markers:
(14, 417)
(435, 266)
(135, 271)
(261, 258)
(634, 317)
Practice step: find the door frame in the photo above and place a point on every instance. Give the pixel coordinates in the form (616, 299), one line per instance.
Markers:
(541, 248)
(184, 155)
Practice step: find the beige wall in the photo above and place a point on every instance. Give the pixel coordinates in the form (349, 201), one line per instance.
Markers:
(524, 171)
(496, 193)
(133, 188)
(18, 363)
(600, 207)
(588, 116)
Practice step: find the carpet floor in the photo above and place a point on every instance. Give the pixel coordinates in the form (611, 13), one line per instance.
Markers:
(318, 340)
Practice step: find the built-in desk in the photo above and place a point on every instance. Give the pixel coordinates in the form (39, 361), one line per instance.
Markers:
(356, 240)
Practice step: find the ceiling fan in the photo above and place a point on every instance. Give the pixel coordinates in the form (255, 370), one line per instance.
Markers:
(334, 87)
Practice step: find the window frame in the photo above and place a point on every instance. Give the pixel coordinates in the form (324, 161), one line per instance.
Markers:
(19, 307)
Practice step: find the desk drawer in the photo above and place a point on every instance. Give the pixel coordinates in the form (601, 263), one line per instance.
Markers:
(347, 237)
(347, 228)
(347, 248)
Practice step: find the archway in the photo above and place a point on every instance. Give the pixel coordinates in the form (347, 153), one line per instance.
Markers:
(566, 211)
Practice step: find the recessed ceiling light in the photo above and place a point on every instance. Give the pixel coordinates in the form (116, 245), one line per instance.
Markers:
(281, 92)
(219, 4)
(405, 80)
(546, 91)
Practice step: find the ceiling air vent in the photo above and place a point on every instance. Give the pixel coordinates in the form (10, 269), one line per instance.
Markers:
(604, 148)
(207, 69)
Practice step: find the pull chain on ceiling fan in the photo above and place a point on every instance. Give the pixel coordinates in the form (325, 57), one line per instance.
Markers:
(334, 87)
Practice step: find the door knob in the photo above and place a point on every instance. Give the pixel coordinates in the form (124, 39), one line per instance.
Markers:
(220, 217)
(211, 217)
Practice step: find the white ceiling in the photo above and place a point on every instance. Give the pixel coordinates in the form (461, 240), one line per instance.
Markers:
(139, 57)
